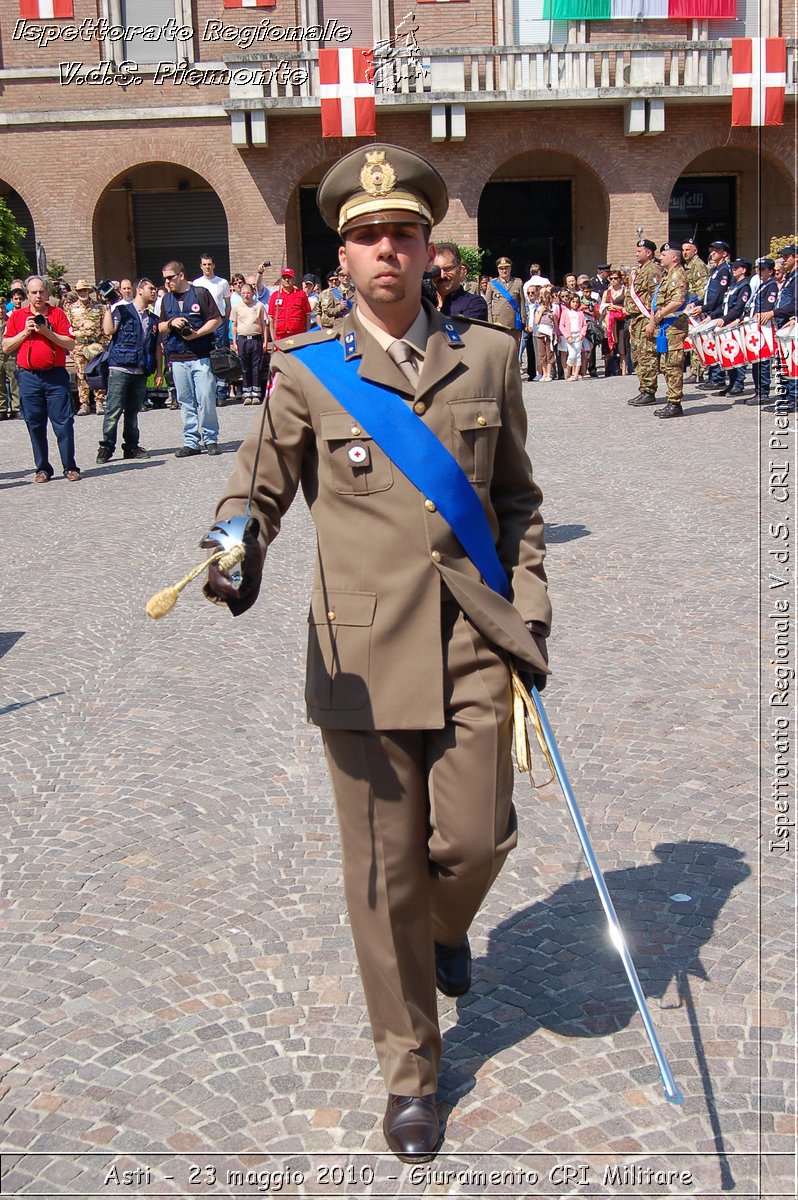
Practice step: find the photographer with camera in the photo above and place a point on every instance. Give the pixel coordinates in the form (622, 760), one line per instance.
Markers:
(41, 335)
(189, 317)
(133, 330)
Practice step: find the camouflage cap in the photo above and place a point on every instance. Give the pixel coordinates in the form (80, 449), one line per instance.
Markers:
(83, 285)
(378, 184)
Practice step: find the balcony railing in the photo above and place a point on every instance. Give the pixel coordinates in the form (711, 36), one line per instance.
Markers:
(513, 74)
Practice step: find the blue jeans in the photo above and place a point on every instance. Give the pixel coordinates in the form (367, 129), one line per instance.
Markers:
(126, 395)
(761, 374)
(221, 341)
(43, 396)
(195, 386)
(735, 377)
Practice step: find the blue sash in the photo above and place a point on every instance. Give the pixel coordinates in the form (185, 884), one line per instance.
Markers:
(339, 296)
(662, 338)
(414, 449)
(499, 286)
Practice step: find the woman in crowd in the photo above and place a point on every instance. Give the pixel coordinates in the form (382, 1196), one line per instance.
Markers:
(611, 309)
(545, 335)
(590, 308)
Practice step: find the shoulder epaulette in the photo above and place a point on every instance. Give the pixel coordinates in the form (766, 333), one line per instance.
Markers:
(304, 339)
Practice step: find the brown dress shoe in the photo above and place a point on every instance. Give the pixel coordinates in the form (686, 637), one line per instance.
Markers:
(411, 1127)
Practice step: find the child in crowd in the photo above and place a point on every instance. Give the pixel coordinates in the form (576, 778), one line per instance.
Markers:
(573, 328)
(546, 335)
(250, 340)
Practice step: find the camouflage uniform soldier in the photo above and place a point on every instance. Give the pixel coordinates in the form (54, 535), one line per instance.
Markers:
(334, 304)
(500, 311)
(668, 326)
(643, 282)
(697, 273)
(86, 319)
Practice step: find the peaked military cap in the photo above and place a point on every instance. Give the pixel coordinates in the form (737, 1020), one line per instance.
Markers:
(381, 183)
(742, 262)
(504, 261)
(647, 244)
(766, 262)
(791, 249)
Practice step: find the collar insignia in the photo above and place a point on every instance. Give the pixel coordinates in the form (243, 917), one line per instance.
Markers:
(350, 345)
(452, 334)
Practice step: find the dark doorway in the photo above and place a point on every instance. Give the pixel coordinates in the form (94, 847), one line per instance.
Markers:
(319, 244)
(180, 225)
(529, 220)
(704, 207)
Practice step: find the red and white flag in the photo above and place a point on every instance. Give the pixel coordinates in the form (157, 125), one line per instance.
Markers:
(46, 10)
(249, 3)
(348, 107)
(759, 79)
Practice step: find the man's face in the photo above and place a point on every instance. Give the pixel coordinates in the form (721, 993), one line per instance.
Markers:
(247, 293)
(504, 273)
(450, 276)
(689, 251)
(172, 282)
(147, 291)
(207, 266)
(17, 299)
(37, 294)
(307, 286)
(668, 258)
(287, 283)
(84, 295)
(643, 255)
(126, 290)
(789, 263)
(387, 262)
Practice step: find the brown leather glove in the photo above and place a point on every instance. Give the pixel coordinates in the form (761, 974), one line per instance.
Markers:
(219, 588)
(539, 635)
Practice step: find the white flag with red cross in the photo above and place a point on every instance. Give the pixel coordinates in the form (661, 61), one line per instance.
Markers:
(759, 79)
(46, 10)
(348, 108)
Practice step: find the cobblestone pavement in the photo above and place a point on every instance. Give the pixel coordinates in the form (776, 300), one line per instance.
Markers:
(180, 999)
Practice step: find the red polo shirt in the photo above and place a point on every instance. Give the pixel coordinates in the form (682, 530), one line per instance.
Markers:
(38, 353)
(289, 311)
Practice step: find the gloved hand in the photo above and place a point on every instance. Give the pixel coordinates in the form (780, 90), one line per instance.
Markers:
(528, 676)
(219, 588)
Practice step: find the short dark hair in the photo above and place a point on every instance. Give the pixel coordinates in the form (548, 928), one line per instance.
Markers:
(173, 267)
(144, 280)
(449, 248)
(534, 268)
(208, 256)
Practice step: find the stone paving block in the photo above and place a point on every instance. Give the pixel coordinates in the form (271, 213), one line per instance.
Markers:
(176, 965)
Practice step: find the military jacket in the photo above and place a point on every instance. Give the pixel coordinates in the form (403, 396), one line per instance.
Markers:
(385, 556)
(332, 310)
(644, 280)
(697, 273)
(87, 322)
(674, 286)
(500, 311)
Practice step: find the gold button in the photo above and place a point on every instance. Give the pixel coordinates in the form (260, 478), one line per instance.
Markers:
(356, 431)
(419, 407)
(481, 420)
(331, 615)
(430, 506)
(436, 556)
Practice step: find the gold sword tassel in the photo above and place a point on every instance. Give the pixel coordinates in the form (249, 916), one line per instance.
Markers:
(164, 601)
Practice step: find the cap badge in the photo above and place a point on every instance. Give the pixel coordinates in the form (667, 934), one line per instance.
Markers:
(378, 176)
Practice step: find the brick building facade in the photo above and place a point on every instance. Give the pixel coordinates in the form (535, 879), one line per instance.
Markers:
(559, 148)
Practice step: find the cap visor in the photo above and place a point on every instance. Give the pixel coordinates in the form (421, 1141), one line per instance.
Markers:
(392, 216)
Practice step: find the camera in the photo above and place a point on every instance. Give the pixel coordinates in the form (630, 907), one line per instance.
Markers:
(106, 289)
(428, 289)
(40, 320)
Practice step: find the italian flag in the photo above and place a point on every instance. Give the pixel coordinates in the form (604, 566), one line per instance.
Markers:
(638, 10)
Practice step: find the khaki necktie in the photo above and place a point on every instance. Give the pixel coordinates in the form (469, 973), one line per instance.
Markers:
(402, 354)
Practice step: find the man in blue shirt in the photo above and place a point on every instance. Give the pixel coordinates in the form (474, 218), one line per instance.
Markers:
(133, 329)
(735, 300)
(454, 299)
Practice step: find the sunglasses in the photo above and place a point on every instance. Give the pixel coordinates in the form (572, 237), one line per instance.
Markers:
(168, 277)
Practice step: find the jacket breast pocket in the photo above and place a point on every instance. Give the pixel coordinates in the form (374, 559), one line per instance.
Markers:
(475, 430)
(360, 473)
(339, 649)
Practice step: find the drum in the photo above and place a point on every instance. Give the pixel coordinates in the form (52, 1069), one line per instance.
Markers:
(704, 343)
(787, 343)
(731, 352)
(758, 340)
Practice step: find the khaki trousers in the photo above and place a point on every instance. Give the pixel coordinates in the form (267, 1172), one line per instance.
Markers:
(426, 820)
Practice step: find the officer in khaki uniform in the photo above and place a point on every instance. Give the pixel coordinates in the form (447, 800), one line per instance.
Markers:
(86, 318)
(643, 282)
(334, 304)
(500, 311)
(408, 648)
(667, 328)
